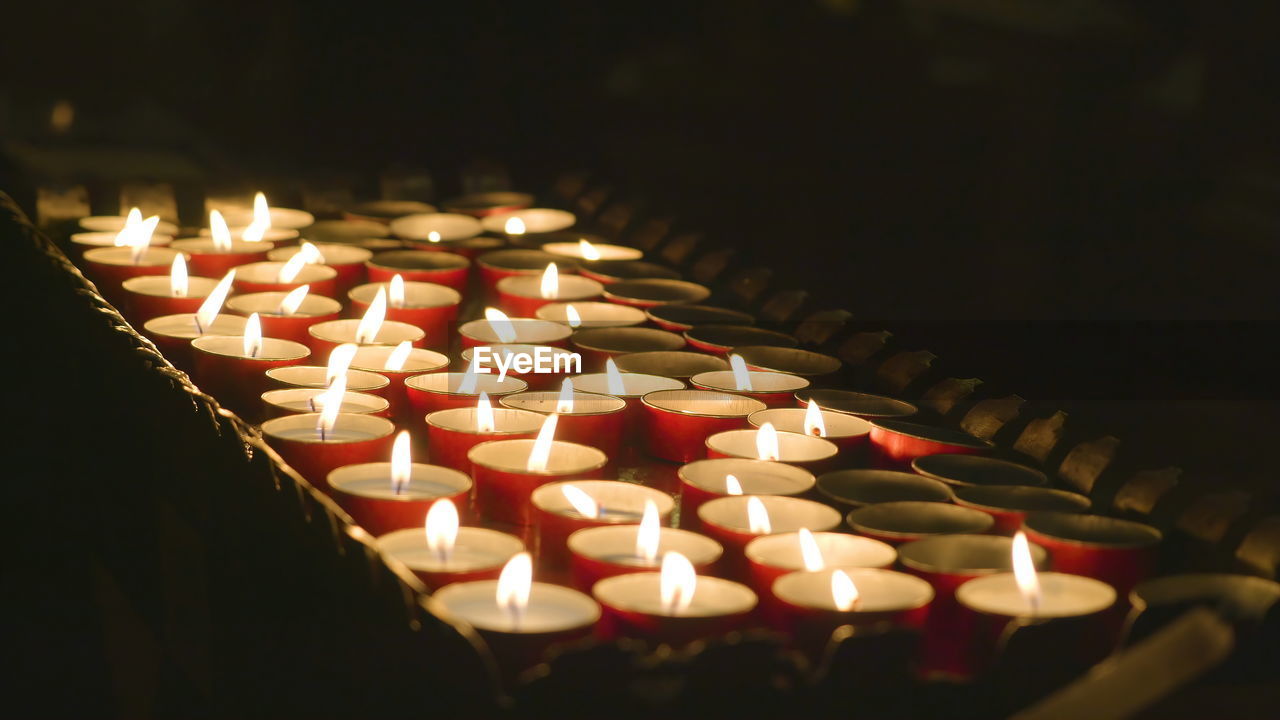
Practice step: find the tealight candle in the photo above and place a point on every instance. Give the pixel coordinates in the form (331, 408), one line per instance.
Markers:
(592, 251)
(347, 261)
(812, 604)
(517, 618)
(497, 328)
(586, 418)
(721, 339)
(608, 272)
(231, 367)
(856, 488)
(113, 224)
(440, 268)
(483, 204)
(369, 330)
(597, 345)
(84, 241)
(316, 444)
(678, 318)
(705, 480)
(524, 294)
(769, 557)
(849, 433)
(499, 264)
(650, 292)
(561, 508)
(630, 387)
(398, 363)
(508, 471)
(153, 296)
(385, 211)
(240, 215)
(111, 266)
(218, 254)
(610, 550)
(430, 392)
(772, 389)
(522, 361)
(386, 496)
(173, 334)
(895, 443)
(864, 405)
(590, 314)
(451, 433)
(273, 276)
(674, 606)
(530, 221)
(440, 229)
(678, 422)
(1008, 505)
(766, 443)
(899, 522)
(737, 520)
(287, 316)
(430, 307)
(677, 364)
(291, 401)
(771, 358)
(474, 553)
(1121, 553)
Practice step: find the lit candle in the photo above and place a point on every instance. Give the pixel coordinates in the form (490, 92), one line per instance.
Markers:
(1008, 505)
(440, 268)
(561, 508)
(678, 422)
(287, 316)
(347, 261)
(398, 363)
(704, 480)
(522, 362)
(497, 328)
(863, 405)
(769, 557)
(494, 266)
(432, 308)
(337, 365)
(766, 443)
(734, 521)
(276, 276)
(586, 418)
(371, 329)
(153, 296)
(430, 392)
(584, 249)
(263, 218)
(441, 552)
(219, 253)
(316, 444)
(772, 389)
(597, 345)
(232, 367)
(899, 522)
(531, 221)
(451, 433)
(610, 550)
(630, 387)
(524, 294)
(812, 604)
(848, 432)
(131, 256)
(172, 334)
(590, 314)
(651, 292)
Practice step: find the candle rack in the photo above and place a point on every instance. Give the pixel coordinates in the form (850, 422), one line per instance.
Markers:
(197, 524)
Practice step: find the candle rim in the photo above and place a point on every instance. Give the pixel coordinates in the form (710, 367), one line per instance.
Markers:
(374, 404)
(188, 245)
(660, 291)
(782, 588)
(553, 491)
(269, 270)
(964, 520)
(557, 331)
(271, 302)
(903, 409)
(590, 379)
(203, 342)
(521, 385)
(413, 333)
(744, 600)
(583, 542)
(152, 256)
(599, 458)
(442, 295)
(835, 485)
(755, 375)
(953, 465)
(626, 314)
(112, 224)
(796, 361)
(535, 421)
(831, 419)
(530, 261)
(108, 239)
(538, 592)
(154, 325)
(570, 248)
(285, 253)
(696, 334)
(691, 473)
(458, 481)
(716, 441)
(355, 376)
(650, 398)
(816, 508)
(270, 427)
(755, 549)
(281, 217)
(681, 364)
(999, 546)
(408, 226)
(585, 289)
(1054, 499)
(1048, 580)
(932, 433)
(619, 406)
(441, 261)
(197, 286)
(659, 313)
(558, 220)
(589, 339)
(1150, 536)
(385, 546)
(422, 354)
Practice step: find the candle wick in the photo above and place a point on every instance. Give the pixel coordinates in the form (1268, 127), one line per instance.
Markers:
(322, 434)
(199, 327)
(311, 403)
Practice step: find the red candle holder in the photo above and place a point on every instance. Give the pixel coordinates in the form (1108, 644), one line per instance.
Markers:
(588, 419)
(613, 271)
(807, 611)
(523, 331)
(595, 252)
(354, 439)
(326, 336)
(547, 365)
(109, 267)
(555, 518)
(1121, 553)
(295, 401)
(477, 554)
(373, 499)
(277, 323)
(896, 443)
(769, 557)
(499, 264)
(726, 521)
(772, 389)
(859, 488)
(812, 453)
(205, 257)
(384, 360)
(347, 262)
(440, 268)
(522, 294)
(966, 470)
(649, 293)
(630, 388)
(769, 358)
(678, 364)
(678, 422)
(900, 522)
(591, 315)
(173, 334)
(453, 432)
(504, 482)
(317, 377)
(484, 204)
(597, 345)
(236, 377)
(705, 480)
(432, 308)
(608, 551)
(264, 276)
(678, 318)
(151, 296)
(633, 608)
(850, 434)
(863, 405)
(721, 339)
(1008, 505)
(430, 392)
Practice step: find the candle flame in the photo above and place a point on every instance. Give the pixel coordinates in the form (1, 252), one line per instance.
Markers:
(253, 336)
(261, 211)
(395, 291)
(571, 312)
(677, 583)
(178, 283)
(732, 486)
(470, 377)
(758, 517)
(339, 362)
(289, 271)
(810, 551)
(485, 422)
(767, 443)
(133, 218)
(741, 377)
(843, 592)
(501, 324)
(513, 226)
(310, 253)
(614, 378)
(588, 250)
(583, 503)
(398, 357)
(1024, 571)
(401, 463)
(137, 237)
(514, 585)
(813, 423)
(442, 529)
(330, 402)
(291, 302)
(564, 403)
(541, 453)
(649, 534)
(550, 282)
(433, 237)
(371, 323)
(212, 305)
(253, 233)
(221, 234)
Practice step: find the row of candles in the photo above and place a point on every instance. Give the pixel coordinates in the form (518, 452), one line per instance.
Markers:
(519, 450)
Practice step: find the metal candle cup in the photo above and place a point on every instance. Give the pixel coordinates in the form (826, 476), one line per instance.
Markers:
(263, 277)
(806, 609)
(522, 295)
(477, 554)
(678, 422)
(373, 358)
(900, 522)
(602, 552)
(151, 296)
(720, 339)
(324, 337)
(1008, 505)
(652, 292)
(354, 439)
(534, 221)
(591, 314)
(849, 433)
(445, 228)
(633, 608)
(858, 488)
(769, 557)
(705, 480)
(608, 272)
(773, 389)
(431, 308)
(440, 268)
(294, 326)
(597, 345)
(504, 482)
(293, 401)
(236, 378)
(896, 443)
(601, 251)
(240, 214)
(499, 264)
(205, 257)
(812, 453)
(864, 405)
(678, 364)
(347, 262)
(726, 521)
(526, 331)
(555, 518)
(1121, 553)
(678, 318)
(788, 360)
(965, 470)
(453, 432)
(366, 492)
(595, 420)
(173, 334)
(430, 392)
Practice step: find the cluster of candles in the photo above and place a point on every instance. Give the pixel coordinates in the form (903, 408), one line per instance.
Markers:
(746, 458)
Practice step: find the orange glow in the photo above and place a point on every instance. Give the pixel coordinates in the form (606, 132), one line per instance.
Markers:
(253, 336)
(813, 423)
(485, 422)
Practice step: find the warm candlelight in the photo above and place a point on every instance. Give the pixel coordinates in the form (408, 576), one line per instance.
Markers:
(736, 520)
(152, 296)
(524, 295)
(442, 552)
(561, 508)
(769, 557)
(451, 433)
(218, 253)
(766, 443)
(584, 249)
(678, 422)
(172, 334)
(849, 433)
